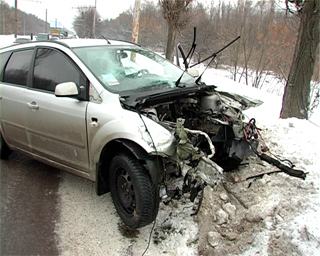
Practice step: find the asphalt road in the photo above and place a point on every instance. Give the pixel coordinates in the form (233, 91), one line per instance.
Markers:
(29, 207)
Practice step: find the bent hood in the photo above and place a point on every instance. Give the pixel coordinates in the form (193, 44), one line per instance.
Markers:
(156, 97)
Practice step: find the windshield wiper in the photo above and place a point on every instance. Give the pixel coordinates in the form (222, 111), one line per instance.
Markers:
(185, 59)
(193, 47)
(213, 56)
(177, 83)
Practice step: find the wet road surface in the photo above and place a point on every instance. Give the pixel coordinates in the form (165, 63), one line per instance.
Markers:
(29, 207)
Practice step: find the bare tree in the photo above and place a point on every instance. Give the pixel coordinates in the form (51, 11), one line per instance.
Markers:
(119, 28)
(86, 21)
(152, 33)
(27, 23)
(296, 98)
(176, 13)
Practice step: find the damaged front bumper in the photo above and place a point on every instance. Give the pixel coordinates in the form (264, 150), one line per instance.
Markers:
(198, 168)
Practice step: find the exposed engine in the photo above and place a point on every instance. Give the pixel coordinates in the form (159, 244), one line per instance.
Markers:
(208, 120)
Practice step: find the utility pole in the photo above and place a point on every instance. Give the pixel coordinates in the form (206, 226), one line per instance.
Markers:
(94, 19)
(3, 23)
(135, 25)
(16, 15)
(16, 18)
(46, 24)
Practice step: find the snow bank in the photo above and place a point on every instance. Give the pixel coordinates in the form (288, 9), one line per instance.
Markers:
(277, 214)
(6, 40)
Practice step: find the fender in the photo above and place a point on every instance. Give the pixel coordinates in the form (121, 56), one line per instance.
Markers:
(129, 127)
(154, 164)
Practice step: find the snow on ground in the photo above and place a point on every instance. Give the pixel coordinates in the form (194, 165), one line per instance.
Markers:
(273, 215)
(89, 225)
(7, 40)
(277, 214)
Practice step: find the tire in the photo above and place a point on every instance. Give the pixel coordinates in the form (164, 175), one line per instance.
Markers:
(134, 195)
(5, 151)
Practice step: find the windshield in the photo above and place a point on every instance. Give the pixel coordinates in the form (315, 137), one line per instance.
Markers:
(127, 69)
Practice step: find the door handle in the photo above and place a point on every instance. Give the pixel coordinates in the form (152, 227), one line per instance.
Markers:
(33, 105)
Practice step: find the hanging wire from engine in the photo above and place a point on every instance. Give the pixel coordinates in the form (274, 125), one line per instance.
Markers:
(252, 132)
(155, 148)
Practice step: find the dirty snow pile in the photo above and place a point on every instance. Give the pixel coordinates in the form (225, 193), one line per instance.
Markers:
(273, 215)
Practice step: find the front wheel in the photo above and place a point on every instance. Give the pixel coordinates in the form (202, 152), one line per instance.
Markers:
(134, 195)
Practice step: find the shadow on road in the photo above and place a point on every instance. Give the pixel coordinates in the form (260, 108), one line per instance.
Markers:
(29, 207)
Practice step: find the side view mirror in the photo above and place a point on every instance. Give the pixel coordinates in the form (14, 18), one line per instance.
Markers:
(123, 55)
(193, 72)
(66, 89)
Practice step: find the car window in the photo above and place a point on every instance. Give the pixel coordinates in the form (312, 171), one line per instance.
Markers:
(3, 61)
(53, 67)
(17, 69)
(125, 69)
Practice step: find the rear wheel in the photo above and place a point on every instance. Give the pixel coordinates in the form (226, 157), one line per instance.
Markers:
(134, 195)
(5, 151)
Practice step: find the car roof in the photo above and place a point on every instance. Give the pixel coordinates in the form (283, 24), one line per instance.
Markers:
(72, 43)
(92, 42)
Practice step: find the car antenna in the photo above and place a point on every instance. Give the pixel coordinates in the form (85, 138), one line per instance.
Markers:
(212, 56)
(102, 36)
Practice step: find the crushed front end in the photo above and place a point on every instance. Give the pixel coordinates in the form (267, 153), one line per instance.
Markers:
(209, 130)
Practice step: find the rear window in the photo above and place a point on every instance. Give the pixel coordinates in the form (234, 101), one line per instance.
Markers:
(3, 61)
(17, 69)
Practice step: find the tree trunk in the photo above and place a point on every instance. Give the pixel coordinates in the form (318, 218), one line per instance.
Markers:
(296, 97)
(171, 42)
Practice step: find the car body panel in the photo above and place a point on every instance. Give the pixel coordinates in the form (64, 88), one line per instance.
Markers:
(105, 126)
(13, 116)
(56, 128)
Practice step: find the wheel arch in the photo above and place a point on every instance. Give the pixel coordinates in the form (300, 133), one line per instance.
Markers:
(154, 164)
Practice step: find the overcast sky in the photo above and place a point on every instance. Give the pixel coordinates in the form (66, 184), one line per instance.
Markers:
(65, 10)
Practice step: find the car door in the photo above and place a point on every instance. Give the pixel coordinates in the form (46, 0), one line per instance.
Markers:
(57, 125)
(13, 92)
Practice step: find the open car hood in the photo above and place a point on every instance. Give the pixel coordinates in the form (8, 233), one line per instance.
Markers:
(147, 98)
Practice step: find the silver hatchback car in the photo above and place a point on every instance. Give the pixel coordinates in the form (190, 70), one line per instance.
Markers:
(119, 115)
